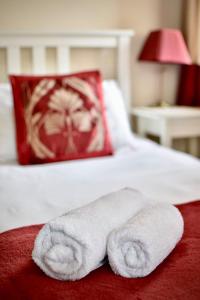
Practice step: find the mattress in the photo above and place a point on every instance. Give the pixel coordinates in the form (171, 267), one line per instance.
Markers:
(36, 194)
(178, 277)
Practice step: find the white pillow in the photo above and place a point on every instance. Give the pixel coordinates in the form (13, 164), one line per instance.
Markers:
(117, 116)
(7, 125)
(118, 124)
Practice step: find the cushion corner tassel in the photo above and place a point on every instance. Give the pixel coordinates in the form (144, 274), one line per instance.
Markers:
(136, 248)
(72, 245)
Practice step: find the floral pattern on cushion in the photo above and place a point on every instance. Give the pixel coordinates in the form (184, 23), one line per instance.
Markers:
(61, 117)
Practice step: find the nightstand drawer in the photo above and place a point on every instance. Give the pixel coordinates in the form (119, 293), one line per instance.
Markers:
(148, 125)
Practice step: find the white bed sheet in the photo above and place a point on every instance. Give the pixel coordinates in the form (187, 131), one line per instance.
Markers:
(35, 194)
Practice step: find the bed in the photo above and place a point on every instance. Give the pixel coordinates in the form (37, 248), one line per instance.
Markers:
(32, 195)
(178, 277)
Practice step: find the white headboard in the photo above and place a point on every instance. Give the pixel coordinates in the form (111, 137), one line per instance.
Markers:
(63, 42)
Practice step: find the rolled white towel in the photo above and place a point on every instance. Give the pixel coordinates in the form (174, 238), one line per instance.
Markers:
(72, 245)
(139, 246)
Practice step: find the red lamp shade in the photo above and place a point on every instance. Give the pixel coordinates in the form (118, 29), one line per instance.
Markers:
(165, 46)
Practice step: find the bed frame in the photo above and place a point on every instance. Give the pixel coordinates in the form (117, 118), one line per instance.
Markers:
(63, 42)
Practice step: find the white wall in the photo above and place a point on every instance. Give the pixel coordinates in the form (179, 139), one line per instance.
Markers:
(139, 15)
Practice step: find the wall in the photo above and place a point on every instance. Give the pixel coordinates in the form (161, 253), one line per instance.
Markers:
(139, 15)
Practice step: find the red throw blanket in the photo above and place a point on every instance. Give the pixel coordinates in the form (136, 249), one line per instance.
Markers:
(178, 277)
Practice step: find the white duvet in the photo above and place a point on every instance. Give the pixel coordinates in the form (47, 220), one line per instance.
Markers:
(36, 194)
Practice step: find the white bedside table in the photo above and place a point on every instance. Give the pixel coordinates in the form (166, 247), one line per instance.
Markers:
(168, 123)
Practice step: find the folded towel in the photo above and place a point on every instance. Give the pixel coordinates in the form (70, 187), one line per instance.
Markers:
(72, 245)
(139, 246)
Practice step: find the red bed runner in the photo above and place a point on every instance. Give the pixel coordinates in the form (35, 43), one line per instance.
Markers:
(178, 277)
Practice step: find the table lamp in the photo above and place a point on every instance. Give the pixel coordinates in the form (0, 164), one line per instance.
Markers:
(165, 46)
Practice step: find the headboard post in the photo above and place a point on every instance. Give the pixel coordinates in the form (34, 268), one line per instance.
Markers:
(124, 68)
(38, 59)
(63, 59)
(13, 59)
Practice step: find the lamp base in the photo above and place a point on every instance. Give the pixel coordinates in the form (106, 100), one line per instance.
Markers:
(164, 104)
(161, 103)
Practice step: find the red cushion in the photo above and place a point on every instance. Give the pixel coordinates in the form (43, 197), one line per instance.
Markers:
(178, 277)
(60, 117)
